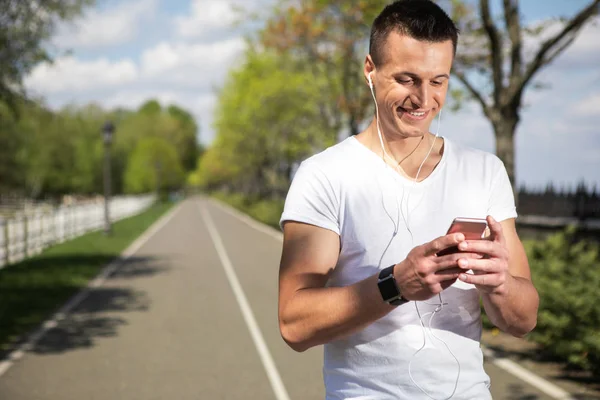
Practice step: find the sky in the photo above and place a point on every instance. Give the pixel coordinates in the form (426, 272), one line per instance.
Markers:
(121, 53)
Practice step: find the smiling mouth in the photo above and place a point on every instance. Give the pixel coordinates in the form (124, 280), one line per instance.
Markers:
(412, 114)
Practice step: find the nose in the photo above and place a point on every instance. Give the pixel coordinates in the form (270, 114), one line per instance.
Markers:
(420, 96)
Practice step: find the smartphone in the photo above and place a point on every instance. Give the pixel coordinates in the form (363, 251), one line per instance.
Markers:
(472, 228)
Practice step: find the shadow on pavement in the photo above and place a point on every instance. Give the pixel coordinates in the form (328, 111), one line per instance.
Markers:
(516, 391)
(96, 317)
(28, 297)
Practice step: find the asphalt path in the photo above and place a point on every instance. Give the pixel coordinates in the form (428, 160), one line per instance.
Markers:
(191, 315)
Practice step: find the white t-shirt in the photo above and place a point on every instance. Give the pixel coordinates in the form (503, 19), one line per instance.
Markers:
(350, 190)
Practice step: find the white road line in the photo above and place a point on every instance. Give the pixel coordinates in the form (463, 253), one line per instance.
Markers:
(527, 376)
(18, 353)
(507, 365)
(257, 337)
(259, 226)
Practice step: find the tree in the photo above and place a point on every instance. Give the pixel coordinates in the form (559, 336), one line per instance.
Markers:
(330, 35)
(333, 33)
(25, 25)
(153, 165)
(174, 124)
(11, 172)
(266, 121)
(492, 56)
(187, 141)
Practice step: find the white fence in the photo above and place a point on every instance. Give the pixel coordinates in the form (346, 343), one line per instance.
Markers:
(28, 233)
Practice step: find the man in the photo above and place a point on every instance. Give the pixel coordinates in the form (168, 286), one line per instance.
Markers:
(377, 206)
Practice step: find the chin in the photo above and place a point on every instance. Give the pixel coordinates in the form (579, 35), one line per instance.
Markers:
(411, 131)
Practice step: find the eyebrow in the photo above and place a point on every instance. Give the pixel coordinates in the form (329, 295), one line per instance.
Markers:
(413, 75)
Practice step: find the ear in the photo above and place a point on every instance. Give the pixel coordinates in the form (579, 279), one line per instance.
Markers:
(368, 69)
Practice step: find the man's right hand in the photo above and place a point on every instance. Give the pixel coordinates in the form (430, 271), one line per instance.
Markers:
(423, 274)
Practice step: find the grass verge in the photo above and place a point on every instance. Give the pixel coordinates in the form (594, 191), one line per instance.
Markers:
(31, 290)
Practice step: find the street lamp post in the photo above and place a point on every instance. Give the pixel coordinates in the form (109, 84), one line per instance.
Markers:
(107, 132)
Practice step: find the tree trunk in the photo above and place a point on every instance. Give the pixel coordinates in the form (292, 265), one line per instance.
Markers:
(504, 130)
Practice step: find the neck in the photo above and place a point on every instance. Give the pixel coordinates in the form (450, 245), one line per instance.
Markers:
(399, 149)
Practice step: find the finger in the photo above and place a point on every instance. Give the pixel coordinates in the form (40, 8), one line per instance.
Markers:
(482, 247)
(489, 280)
(480, 266)
(443, 242)
(451, 259)
(449, 272)
(495, 229)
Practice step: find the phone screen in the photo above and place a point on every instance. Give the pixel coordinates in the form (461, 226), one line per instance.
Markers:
(472, 228)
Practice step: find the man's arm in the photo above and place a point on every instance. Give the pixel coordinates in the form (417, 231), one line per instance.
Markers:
(311, 314)
(504, 279)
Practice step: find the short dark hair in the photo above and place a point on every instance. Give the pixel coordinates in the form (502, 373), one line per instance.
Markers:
(419, 19)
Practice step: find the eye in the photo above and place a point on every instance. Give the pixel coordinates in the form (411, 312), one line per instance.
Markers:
(404, 81)
(437, 83)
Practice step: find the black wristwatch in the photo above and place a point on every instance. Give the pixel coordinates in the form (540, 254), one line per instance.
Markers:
(388, 288)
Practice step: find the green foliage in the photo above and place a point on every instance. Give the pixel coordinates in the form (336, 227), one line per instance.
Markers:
(11, 174)
(151, 107)
(45, 154)
(330, 38)
(173, 124)
(25, 25)
(566, 274)
(267, 119)
(186, 141)
(266, 211)
(153, 166)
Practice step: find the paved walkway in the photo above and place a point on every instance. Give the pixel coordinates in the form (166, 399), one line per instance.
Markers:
(173, 323)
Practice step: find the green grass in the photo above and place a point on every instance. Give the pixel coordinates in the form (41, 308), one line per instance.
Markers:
(30, 291)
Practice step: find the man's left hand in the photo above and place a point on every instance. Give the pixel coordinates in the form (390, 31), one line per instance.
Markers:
(490, 273)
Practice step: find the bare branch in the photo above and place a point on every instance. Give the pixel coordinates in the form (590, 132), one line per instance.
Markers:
(513, 24)
(471, 88)
(495, 48)
(559, 49)
(552, 44)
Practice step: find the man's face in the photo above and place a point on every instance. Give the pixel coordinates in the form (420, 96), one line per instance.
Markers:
(411, 83)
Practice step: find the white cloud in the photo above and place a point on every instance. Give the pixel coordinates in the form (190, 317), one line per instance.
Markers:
(588, 107)
(190, 64)
(206, 16)
(70, 74)
(113, 26)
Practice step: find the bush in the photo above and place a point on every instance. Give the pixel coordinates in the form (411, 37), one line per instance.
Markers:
(265, 211)
(566, 274)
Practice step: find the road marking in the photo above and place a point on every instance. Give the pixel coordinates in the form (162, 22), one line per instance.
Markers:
(507, 365)
(259, 226)
(257, 337)
(62, 313)
(527, 376)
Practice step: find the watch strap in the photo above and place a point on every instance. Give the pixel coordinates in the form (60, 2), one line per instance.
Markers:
(397, 299)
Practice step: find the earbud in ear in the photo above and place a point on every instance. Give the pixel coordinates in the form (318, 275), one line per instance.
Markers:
(370, 81)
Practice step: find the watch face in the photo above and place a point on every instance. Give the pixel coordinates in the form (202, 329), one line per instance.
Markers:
(388, 288)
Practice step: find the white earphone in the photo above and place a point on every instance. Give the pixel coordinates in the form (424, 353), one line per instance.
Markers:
(441, 305)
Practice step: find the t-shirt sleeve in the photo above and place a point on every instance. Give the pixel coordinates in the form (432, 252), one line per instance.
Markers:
(312, 199)
(501, 204)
